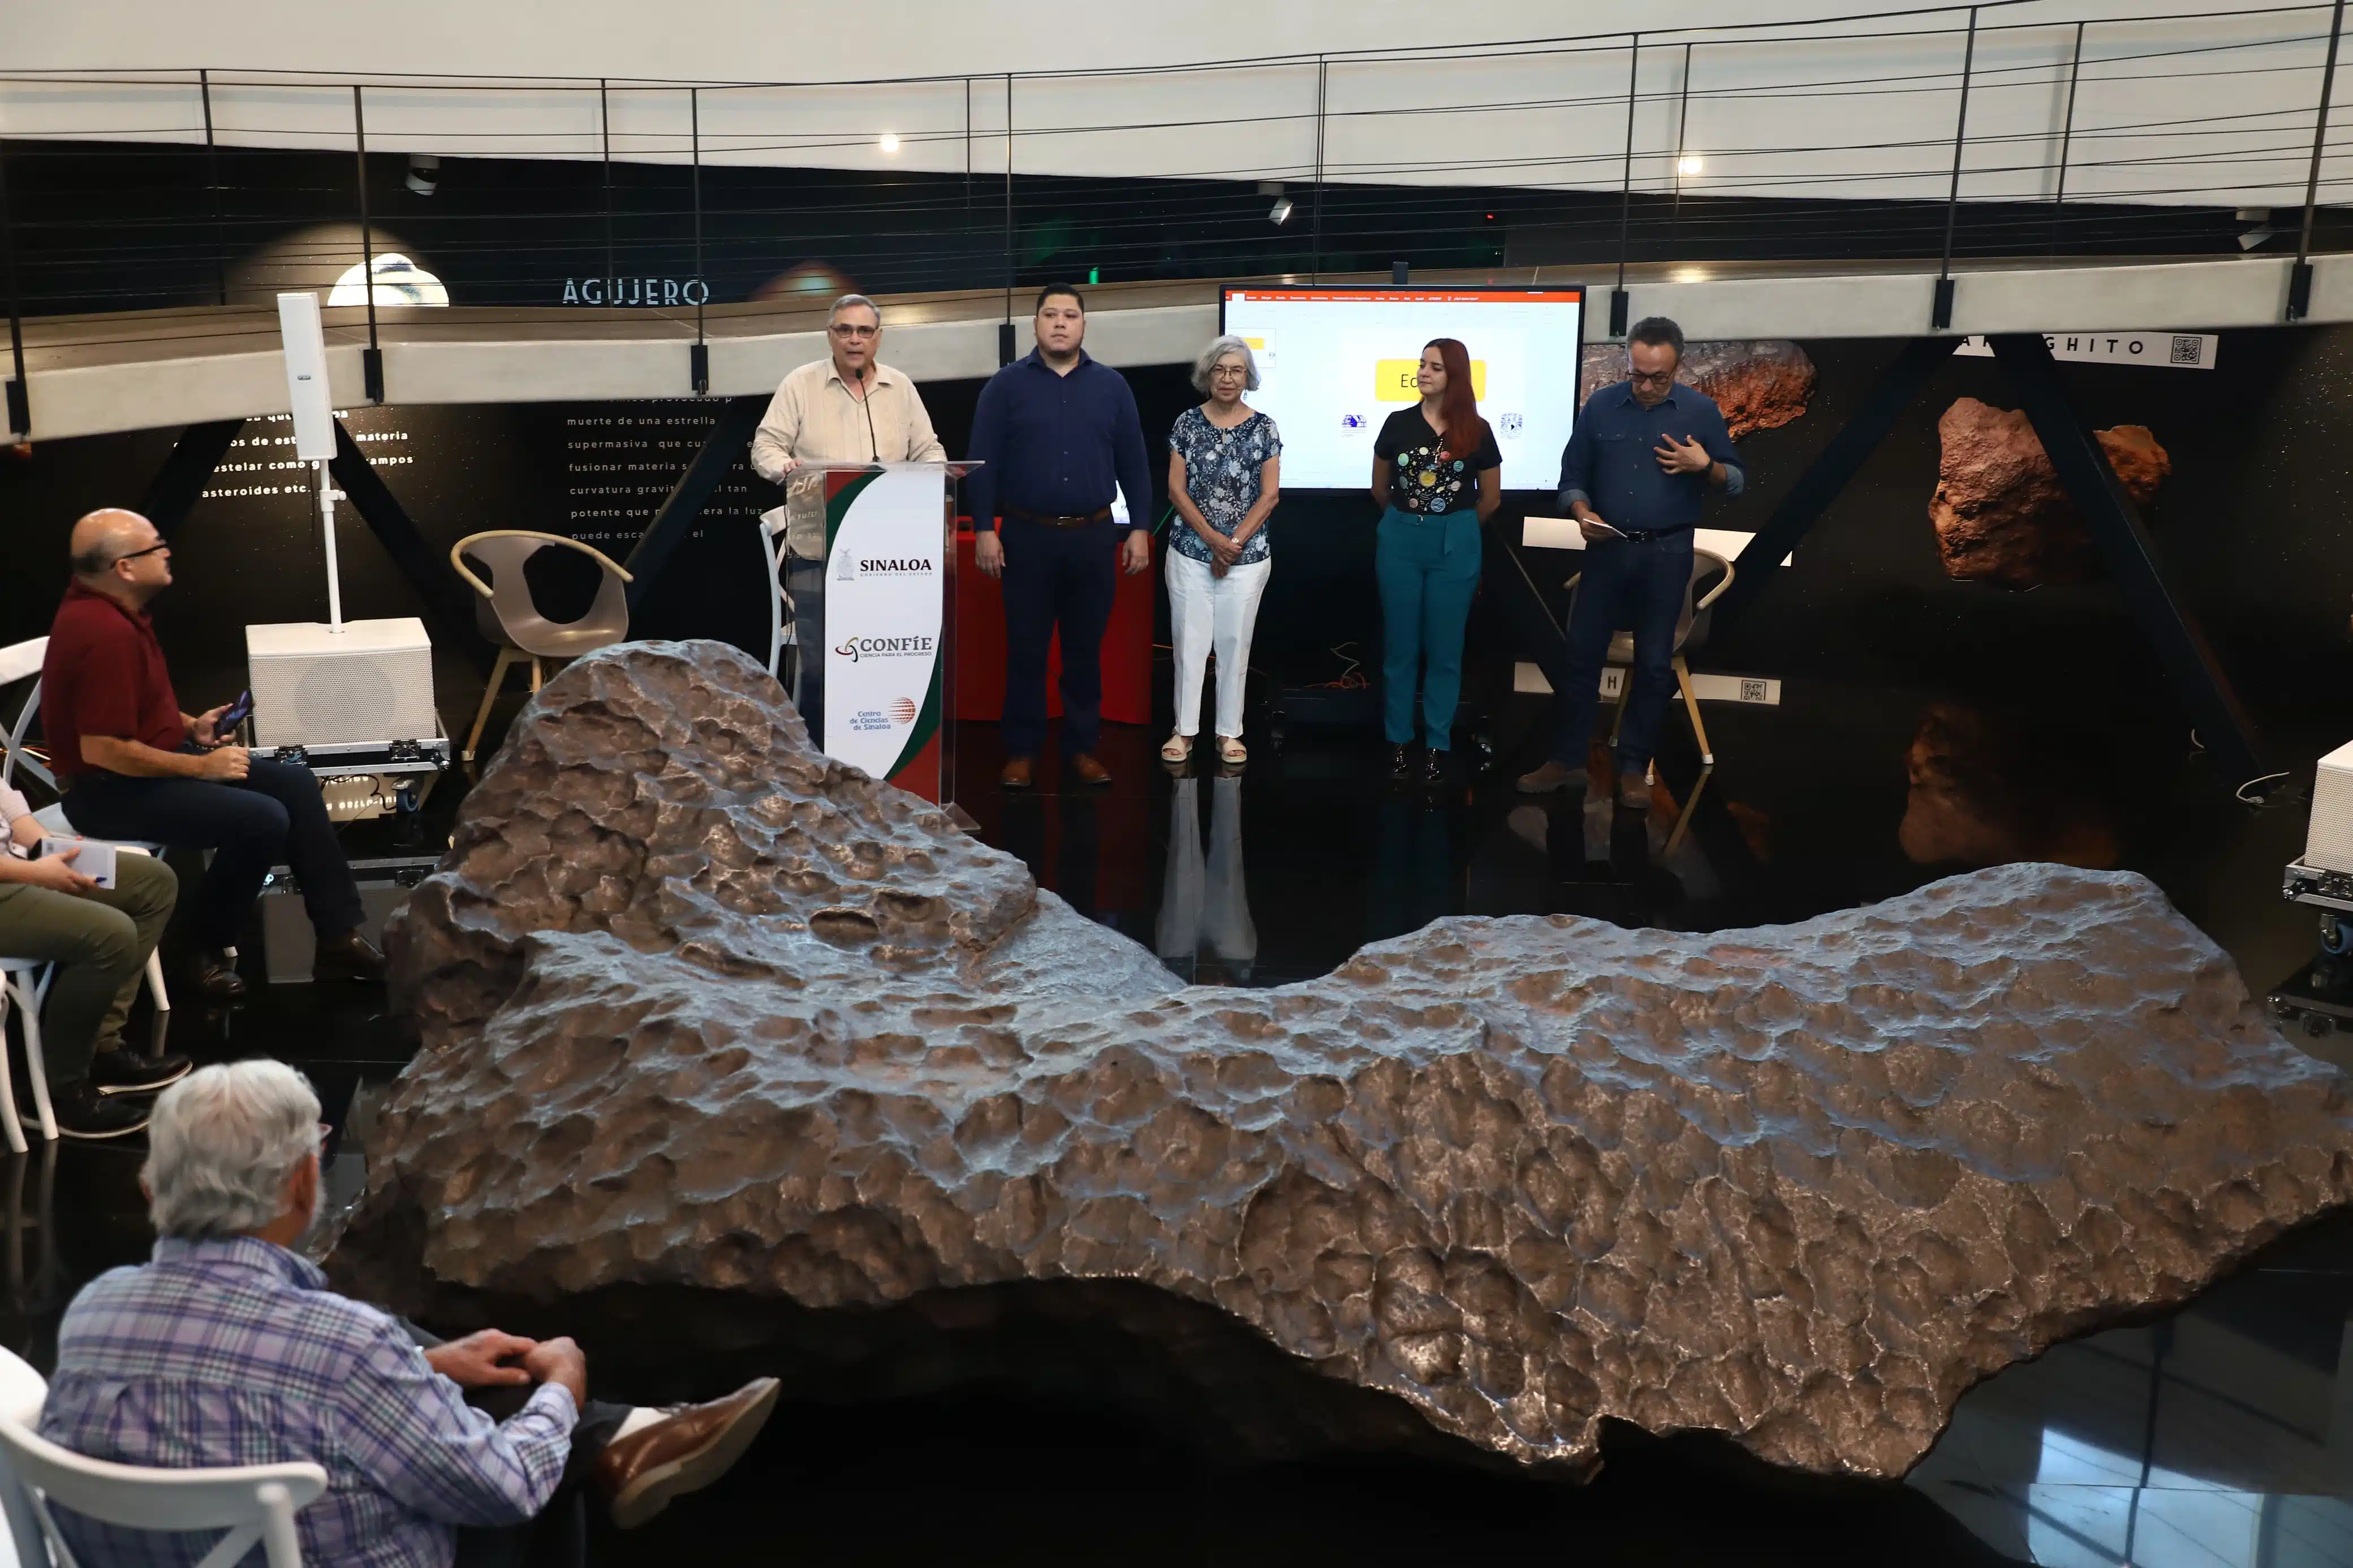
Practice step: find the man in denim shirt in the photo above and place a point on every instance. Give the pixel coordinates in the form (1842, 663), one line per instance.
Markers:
(1644, 456)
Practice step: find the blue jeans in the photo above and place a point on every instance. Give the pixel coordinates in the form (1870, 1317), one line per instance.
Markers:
(1637, 586)
(275, 810)
(1429, 569)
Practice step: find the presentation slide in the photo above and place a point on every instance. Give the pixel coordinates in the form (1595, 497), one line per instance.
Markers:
(1335, 363)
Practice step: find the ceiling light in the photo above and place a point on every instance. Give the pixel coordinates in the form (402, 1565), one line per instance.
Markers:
(1688, 163)
(1280, 212)
(890, 142)
(398, 281)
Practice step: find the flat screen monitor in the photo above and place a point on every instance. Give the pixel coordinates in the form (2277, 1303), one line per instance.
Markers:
(1335, 363)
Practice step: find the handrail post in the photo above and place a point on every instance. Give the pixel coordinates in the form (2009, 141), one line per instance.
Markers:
(1683, 131)
(1618, 299)
(2299, 278)
(605, 134)
(2066, 137)
(698, 361)
(1941, 313)
(20, 397)
(1316, 257)
(371, 356)
(212, 189)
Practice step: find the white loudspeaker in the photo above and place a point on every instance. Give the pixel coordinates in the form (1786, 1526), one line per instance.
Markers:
(2328, 842)
(306, 376)
(319, 686)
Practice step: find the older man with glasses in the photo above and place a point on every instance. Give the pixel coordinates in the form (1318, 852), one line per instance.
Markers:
(1640, 461)
(134, 766)
(847, 408)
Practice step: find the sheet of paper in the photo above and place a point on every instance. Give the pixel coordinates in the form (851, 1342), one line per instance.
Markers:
(93, 860)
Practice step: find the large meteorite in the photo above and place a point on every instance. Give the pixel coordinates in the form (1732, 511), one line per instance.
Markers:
(704, 1012)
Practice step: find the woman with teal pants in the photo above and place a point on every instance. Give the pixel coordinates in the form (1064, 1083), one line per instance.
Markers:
(1436, 475)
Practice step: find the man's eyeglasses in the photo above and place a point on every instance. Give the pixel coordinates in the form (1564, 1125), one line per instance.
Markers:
(1662, 378)
(849, 330)
(151, 550)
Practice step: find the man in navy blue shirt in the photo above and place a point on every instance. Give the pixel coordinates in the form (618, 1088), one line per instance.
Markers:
(1643, 454)
(1054, 433)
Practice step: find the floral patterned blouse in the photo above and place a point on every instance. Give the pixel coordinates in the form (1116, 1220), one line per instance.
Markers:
(1424, 475)
(1222, 475)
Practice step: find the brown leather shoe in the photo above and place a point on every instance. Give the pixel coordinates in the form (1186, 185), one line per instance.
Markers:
(1550, 778)
(218, 978)
(684, 1452)
(1634, 792)
(1015, 773)
(1088, 770)
(346, 957)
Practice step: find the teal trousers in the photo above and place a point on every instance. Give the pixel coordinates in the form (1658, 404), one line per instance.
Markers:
(1429, 569)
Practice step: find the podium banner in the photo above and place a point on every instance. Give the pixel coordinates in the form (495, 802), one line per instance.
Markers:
(884, 593)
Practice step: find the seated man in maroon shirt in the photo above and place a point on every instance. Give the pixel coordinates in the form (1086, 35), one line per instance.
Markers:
(133, 766)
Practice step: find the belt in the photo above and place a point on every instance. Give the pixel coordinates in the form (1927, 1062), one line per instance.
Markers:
(1644, 535)
(1044, 520)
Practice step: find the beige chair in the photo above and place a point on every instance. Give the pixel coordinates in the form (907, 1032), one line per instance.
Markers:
(509, 618)
(1690, 632)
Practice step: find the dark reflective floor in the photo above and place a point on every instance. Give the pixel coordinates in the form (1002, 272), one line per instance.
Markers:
(2218, 1435)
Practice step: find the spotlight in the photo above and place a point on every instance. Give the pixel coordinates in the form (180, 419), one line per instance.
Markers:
(1688, 163)
(1281, 212)
(890, 142)
(2265, 229)
(424, 173)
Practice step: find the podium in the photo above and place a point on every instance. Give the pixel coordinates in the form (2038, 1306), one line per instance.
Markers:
(861, 624)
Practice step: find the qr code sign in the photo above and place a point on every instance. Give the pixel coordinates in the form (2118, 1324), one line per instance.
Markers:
(2189, 349)
(1753, 691)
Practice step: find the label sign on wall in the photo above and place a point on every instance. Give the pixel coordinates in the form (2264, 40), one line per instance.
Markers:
(2175, 351)
(885, 591)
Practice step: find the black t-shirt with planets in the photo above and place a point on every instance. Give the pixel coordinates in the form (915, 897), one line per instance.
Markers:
(1425, 475)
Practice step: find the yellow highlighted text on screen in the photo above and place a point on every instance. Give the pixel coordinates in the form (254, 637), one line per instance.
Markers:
(1393, 380)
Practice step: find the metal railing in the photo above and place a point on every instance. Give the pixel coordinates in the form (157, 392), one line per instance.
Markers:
(2008, 128)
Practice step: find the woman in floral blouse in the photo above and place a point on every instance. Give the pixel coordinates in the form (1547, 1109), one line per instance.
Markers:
(1437, 474)
(1223, 458)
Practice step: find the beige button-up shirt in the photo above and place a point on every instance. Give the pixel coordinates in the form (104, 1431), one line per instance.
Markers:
(813, 418)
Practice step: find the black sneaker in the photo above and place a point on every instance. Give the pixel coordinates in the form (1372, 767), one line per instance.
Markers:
(1433, 767)
(1402, 764)
(126, 1071)
(84, 1114)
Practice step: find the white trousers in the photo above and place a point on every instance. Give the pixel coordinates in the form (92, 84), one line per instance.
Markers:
(1209, 614)
(1206, 903)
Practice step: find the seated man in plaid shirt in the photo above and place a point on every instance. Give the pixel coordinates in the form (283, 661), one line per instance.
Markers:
(227, 1349)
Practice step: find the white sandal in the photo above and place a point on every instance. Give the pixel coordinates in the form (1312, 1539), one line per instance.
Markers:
(1176, 749)
(1231, 751)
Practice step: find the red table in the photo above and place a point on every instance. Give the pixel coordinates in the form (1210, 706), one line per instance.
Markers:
(980, 652)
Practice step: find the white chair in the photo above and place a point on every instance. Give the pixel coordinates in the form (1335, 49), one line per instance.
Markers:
(18, 660)
(53, 818)
(251, 1502)
(25, 982)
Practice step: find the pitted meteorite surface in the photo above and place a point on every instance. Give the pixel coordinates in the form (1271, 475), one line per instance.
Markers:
(701, 1008)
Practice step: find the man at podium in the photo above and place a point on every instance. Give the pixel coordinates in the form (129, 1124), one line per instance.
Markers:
(847, 408)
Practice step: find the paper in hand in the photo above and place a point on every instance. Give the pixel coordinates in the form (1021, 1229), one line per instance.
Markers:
(95, 861)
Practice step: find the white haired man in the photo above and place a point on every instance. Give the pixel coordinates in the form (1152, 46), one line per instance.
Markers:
(848, 407)
(228, 1348)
